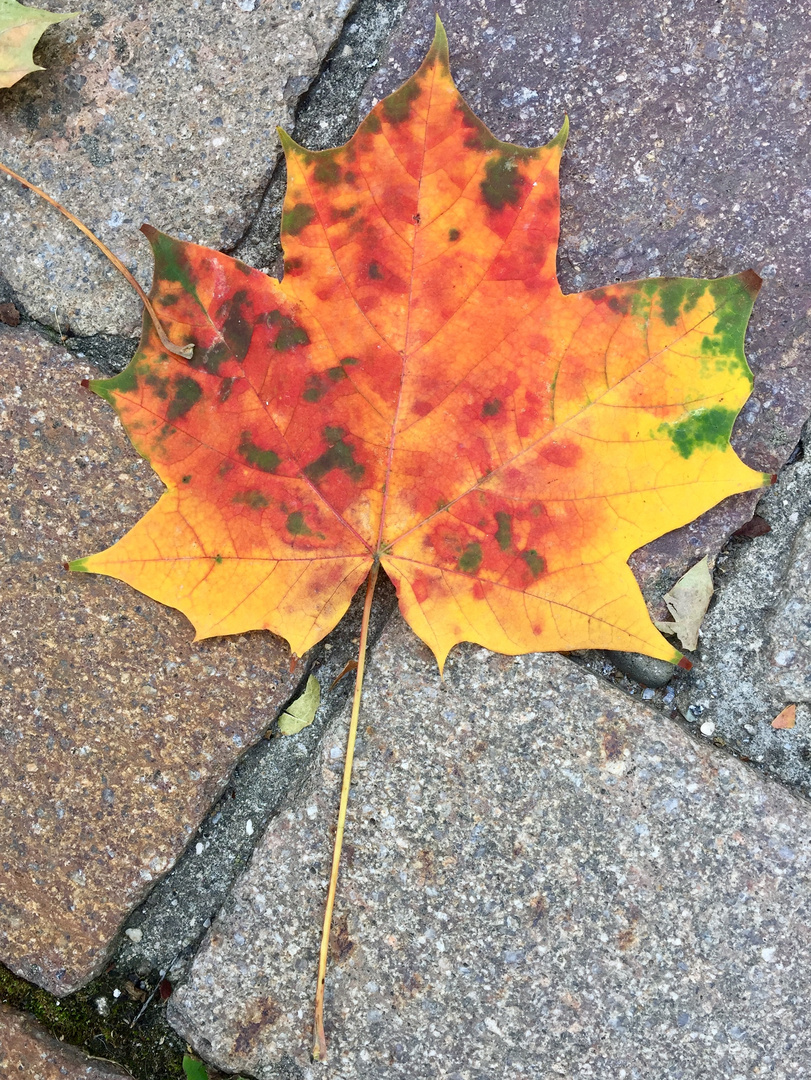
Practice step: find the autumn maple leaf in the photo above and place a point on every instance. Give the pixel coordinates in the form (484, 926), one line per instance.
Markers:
(418, 391)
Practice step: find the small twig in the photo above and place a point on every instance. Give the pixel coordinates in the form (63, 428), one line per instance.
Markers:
(178, 350)
(161, 977)
(319, 1038)
(350, 665)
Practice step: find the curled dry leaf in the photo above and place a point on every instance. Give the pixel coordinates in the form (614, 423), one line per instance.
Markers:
(687, 602)
(20, 30)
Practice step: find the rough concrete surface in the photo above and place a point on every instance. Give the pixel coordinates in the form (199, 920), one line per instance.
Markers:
(687, 154)
(542, 878)
(754, 656)
(163, 112)
(27, 1051)
(118, 732)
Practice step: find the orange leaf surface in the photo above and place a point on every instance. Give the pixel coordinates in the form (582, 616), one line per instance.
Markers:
(419, 391)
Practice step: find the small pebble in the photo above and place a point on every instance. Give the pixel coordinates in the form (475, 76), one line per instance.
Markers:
(198, 848)
(707, 728)
(134, 934)
(249, 827)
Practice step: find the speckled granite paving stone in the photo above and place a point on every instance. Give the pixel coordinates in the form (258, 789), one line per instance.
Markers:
(28, 1052)
(117, 732)
(542, 879)
(790, 625)
(163, 112)
(754, 654)
(688, 154)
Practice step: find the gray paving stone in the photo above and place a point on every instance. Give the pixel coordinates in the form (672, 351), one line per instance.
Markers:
(790, 625)
(28, 1052)
(542, 879)
(117, 732)
(687, 154)
(754, 654)
(147, 112)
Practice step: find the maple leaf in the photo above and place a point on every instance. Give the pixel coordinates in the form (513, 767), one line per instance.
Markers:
(418, 391)
(20, 30)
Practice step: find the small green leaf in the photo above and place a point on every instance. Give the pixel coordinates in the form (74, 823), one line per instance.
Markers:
(194, 1069)
(301, 712)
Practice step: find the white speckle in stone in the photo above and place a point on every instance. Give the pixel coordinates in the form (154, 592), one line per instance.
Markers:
(768, 953)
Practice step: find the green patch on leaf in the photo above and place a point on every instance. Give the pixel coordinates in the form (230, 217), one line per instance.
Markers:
(290, 333)
(297, 218)
(535, 562)
(253, 499)
(491, 407)
(397, 106)
(340, 455)
(264, 460)
(327, 171)
(503, 182)
(297, 526)
(470, 559)
(126, 382)
(702, 428)
(504, 533)
(301, 713)
(186, 393)
(678, 296)
(453, 235)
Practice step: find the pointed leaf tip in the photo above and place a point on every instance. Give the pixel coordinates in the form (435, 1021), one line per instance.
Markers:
(752, 281)
(685, 664)
(439, 50)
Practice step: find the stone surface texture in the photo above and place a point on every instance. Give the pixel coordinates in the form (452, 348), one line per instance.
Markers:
(687, 155)
(27, 1051)
(162, 112)
(542, 879)
(754, 655)
(117, 731)
(790, 625)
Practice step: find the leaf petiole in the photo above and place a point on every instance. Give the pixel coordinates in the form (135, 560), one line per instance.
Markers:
(319, 1038)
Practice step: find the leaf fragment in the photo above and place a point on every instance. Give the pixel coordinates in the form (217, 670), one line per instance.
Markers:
(687, 602)
(20, 29)
(301, 712)
(786, 719)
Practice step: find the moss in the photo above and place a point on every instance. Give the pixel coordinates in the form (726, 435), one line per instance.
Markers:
(150, 1050)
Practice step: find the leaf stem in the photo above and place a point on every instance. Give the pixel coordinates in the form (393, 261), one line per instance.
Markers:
(178, 350)
(319, 1038)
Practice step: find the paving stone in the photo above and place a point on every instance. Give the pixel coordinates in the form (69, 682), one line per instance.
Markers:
(754, 655)
(542, 878)
(117, 731)
(790, 625)
(147, 112)
(29, 1052)
(687, 155)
